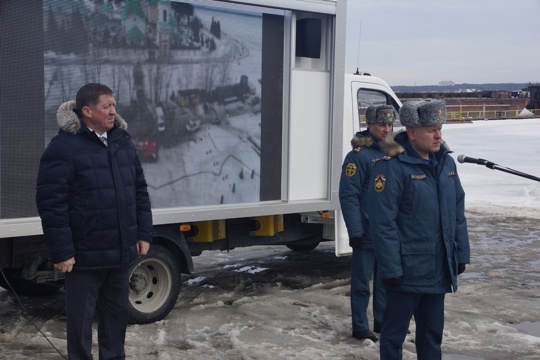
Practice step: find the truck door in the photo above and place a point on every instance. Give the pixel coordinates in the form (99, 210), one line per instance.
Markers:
(360, 93)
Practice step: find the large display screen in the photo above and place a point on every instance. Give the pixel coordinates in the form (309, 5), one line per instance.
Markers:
(200, 85)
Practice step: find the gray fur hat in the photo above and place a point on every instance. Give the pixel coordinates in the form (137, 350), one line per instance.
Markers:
(427, 112)
(381, 114)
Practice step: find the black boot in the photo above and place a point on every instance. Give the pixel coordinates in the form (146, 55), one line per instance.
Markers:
(365, 334)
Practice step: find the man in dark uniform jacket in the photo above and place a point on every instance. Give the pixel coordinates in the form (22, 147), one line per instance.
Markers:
(352, 195)
(415, 207)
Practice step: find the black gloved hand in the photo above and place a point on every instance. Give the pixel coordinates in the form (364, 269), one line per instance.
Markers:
(392, 282)
(460, 268)
(356, 241)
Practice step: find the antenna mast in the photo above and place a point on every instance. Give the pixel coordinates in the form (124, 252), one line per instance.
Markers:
(359, 41)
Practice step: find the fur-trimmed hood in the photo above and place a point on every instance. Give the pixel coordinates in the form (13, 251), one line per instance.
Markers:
(362, 139)
(390, 146)
(69, 121)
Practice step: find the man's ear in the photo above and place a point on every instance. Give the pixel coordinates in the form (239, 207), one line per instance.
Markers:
(410, 133)
(86, 111)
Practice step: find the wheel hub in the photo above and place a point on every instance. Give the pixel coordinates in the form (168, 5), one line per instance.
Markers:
(138, 281)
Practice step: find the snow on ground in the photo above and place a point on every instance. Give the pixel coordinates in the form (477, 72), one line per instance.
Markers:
(510, 144)
(272, 303)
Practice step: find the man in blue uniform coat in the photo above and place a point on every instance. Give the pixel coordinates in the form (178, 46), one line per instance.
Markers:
(415, 208)
(353, 188)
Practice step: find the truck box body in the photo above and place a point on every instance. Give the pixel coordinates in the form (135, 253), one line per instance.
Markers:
(235, 108)
(197, 175)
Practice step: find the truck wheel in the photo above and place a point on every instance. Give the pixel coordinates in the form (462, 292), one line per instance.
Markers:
(26, 287)
(303, 247)
(154, 286)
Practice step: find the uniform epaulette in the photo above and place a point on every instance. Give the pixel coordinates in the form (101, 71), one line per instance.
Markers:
(358, 148)
(382, 158)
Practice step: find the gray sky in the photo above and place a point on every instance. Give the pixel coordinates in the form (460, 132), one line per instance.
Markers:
(423, 42)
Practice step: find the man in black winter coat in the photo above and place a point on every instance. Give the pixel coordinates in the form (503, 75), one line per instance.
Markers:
(95, 210)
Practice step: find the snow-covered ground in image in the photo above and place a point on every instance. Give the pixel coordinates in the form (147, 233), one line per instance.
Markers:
(220, 164)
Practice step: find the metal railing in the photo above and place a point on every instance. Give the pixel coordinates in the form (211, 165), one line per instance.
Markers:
(489, 114)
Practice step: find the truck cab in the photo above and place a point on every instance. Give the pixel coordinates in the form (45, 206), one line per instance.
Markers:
(361, 91)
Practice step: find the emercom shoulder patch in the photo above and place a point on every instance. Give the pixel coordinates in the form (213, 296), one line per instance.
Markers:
(380, 183)
(350, 170)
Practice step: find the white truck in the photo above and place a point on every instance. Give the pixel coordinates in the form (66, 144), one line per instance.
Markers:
(248, 176)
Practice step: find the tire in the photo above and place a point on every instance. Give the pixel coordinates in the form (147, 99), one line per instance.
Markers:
(154, 285)
(303, 247)
(26, 287)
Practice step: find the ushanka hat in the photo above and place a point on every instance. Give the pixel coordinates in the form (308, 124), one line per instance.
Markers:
(428, 112)
(381, 114)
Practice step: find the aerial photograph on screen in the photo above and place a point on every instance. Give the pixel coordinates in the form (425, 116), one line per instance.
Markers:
(186, 78)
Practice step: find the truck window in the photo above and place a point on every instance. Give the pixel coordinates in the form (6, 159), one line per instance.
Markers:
(367, 97)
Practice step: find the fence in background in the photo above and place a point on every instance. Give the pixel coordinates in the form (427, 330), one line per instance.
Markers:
(489, 114)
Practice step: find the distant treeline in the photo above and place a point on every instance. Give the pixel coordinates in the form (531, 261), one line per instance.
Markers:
(461, 87)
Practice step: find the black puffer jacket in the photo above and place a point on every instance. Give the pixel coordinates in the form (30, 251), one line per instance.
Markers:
(92, 199)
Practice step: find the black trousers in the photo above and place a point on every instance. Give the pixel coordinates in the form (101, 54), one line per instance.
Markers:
(428, 311)
(108, 290)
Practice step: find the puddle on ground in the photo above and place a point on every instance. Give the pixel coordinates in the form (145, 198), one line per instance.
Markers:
(460, 357)
(471, 275)
(531, 328)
